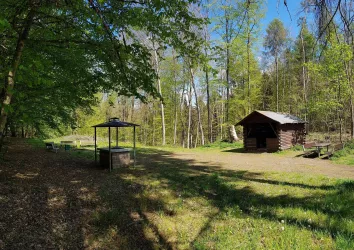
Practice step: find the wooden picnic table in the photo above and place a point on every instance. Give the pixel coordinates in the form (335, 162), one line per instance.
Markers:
(321, 145)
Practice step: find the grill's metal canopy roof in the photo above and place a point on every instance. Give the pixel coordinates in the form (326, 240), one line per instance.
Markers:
(115, 122)
(277, 117)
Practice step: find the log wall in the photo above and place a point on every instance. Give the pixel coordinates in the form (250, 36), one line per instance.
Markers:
(250, 144)
(291, 134)
(288, 136)
(272, 144)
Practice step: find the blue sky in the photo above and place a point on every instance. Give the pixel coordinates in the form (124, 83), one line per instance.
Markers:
(275, 9)
(280, 12)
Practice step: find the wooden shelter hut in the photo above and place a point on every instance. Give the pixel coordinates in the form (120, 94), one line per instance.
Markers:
(270, 131)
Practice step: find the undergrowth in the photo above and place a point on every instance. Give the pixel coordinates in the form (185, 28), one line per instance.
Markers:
(346, 155)
(223, 145)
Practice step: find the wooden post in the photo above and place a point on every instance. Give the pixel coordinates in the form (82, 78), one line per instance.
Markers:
(95, 147)
(116, 136)
(109, 149)
(134, 146)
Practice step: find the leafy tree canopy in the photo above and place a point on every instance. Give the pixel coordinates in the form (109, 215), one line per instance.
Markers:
(74, 49)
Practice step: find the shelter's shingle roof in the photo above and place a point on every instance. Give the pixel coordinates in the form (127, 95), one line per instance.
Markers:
(278, 117)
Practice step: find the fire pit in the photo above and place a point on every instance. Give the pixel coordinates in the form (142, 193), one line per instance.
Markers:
(120, 157)
(113, 157)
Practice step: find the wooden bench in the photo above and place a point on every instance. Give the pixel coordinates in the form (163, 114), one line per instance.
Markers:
(51, 147)
(334, 149)
(307, 149)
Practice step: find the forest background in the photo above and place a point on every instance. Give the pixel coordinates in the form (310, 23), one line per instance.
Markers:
(184, 80)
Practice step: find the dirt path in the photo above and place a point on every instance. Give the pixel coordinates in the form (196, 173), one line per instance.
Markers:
(265, 162)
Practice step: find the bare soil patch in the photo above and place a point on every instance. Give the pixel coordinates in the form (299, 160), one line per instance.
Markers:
(266, 162)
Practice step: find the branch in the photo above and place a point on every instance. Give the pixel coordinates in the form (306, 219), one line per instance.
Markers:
(110, 35)
(286, 5)
(324, 29)
(330, 20)
(346, 23)
(132, 1)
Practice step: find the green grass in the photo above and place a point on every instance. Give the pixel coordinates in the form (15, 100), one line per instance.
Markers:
(204, 207)
(345, 156)
(166, 202)
(290, 151)
(223, 145)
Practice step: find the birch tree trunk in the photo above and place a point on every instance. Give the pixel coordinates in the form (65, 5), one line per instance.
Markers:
(232, 134)
(198, 109)
(189, 116)
(160, 92)
(208, 100)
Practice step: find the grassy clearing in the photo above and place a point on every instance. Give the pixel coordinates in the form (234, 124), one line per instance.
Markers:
(223, 145)
(166, 202)
(345, 156)
(175, 205)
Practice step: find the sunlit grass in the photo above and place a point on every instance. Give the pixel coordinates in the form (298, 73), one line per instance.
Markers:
(345, 156)
(204, 208)
(169, 203)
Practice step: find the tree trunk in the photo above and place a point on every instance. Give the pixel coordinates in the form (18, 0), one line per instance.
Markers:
(153, 128)
(351, 117)
(175, 100)
(13, 130)
(304, 72)
(197, 105)
(132, 113)
(277, 83)
(196, 139)
(227, 68)
(221, 120)
(161, 103)
(189, 116)
(7, 90)
(249, 31)
(208, 104)
(249, 72)
(182, 116)
(232, 134)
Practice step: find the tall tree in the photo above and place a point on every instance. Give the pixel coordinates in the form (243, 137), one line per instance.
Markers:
(228, 24)
(105, 30)
(252, 19)
(162, 106)
(304, 48)
(274, 42)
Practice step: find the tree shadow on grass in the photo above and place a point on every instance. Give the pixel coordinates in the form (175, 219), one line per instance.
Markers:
(239, 150)
(40, 200)
(84, 206)
(183, 176)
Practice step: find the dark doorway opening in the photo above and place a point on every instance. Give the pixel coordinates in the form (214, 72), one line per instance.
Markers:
(261, 131)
